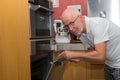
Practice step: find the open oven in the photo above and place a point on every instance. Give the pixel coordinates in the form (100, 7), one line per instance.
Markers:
(40, 65)
(41, 38)
(41, 58)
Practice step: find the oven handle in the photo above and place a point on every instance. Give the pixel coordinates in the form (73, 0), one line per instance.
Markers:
(57, 62)
(35, 7)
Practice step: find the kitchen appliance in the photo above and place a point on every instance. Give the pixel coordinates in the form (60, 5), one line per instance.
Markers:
(41, 25)
(109, 9)
(62, 33)
(44, 3)
(41, 38)
(40, 19)
(39, 46)
(40, 65)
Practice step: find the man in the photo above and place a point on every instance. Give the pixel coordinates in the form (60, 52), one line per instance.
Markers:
(101, 37)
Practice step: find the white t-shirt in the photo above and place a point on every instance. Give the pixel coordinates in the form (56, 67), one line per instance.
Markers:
(102, 30)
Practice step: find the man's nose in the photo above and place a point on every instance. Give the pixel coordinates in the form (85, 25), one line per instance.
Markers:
(70, 27)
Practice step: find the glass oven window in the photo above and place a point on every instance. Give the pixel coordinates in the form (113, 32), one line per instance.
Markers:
(39, 46)
(40, 23)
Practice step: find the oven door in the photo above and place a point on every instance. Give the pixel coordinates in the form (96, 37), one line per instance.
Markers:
(40, 21)
(39, 46)
(45, 3)
(40, 65)
(41, 56)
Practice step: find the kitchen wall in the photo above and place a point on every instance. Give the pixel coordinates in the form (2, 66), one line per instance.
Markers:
(64, 3)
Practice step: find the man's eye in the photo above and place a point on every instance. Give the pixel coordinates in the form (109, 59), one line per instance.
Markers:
(65, 25)
(71, 23)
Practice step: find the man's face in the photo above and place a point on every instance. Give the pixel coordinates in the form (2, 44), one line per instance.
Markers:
(74, 26)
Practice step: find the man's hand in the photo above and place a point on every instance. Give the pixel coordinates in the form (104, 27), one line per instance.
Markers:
(66, 54)
(69, 55)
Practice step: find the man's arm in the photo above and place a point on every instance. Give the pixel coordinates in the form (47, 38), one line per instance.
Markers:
(96, 55)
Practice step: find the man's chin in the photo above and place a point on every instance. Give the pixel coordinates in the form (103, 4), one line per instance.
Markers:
(75, 34)
(78, 35)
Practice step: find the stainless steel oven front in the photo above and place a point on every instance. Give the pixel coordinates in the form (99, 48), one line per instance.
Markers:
(40, 21)
(39, 46)
(41, 57)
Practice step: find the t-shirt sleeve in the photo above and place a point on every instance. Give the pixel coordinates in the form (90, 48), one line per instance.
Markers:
(101, 32)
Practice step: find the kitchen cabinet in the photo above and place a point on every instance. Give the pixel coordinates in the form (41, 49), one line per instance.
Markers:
(14, 40)
(75, 71)
(78, 71)
(95, 71)
(83, 71)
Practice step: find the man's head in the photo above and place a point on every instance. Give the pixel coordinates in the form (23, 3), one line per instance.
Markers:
(71, 19)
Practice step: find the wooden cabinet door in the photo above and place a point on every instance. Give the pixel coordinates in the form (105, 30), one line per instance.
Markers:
(75, 71)
(68, 71)
(95, 71)
(79, 71)
(14, 40)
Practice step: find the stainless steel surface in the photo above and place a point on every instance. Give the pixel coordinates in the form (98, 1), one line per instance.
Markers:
(40, 21)
(109, 9)
(39, 46)
(49, 70)
(41, 37)
(36, 7)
